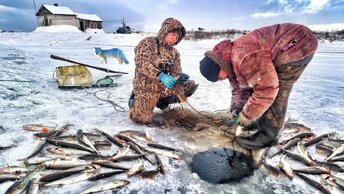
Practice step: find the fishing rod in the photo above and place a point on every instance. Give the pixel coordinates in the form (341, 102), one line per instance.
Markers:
(94, 67)
(8, 80)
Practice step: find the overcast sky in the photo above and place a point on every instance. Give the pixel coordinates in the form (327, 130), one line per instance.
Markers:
(147, 15)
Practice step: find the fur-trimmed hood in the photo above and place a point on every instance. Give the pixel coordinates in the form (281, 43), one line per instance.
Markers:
(221, 55)
(169, 25)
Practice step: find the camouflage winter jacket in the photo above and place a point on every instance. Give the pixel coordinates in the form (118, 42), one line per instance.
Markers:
(250, 62)
(152, 54)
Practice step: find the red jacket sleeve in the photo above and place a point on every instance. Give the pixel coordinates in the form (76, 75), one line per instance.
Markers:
(239, 96)
(260, 74)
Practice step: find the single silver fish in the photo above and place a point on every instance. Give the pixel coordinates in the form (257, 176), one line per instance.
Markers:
(317, 139)
(69, 144)
(313, 183)
(72, 179)
(33, 187)
(65, 173)
(38, 127)
(91, 157)
(122, 151)
(336, 152)
(64, 164)
(290, 144)
(106, 172)
(161, 165)
(338, 180)
(85, 140)
(138, 150)
(170, 154)
(41, 159)
(160, 146)
(109, 137)
(273, 169)
(14, 170)
(339, 158)
(285, 167)
(8, 146)
(313, 170)
(36, 148)
(109, 164)
(324, 149)
(295, 128)
(127, 157)
(8, 177)
(105, 186)
(138, 135)
(137, 168)
(301, 135)
(67, 151)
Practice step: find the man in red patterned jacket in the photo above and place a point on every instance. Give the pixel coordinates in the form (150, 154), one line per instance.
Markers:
(262, 67)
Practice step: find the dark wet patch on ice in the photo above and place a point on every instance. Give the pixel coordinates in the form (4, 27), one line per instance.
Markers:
(220, 165)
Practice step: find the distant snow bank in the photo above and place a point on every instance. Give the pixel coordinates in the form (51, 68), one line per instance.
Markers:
(327, 27)
(95, 31)
(58, 28)
(67, 28)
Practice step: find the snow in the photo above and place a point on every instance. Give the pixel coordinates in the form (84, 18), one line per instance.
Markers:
(61, 10)
(92, 17)
(94, 31)
(316, 101)
(327, 27)
(57, 28)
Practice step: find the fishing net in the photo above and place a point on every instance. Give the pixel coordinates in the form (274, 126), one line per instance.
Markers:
(218, 122)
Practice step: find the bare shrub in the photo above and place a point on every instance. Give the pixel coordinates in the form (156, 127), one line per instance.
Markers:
(201, 34)
(330, 35)
(233, 33)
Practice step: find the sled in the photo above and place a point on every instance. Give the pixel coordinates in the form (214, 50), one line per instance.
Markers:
(78, 76)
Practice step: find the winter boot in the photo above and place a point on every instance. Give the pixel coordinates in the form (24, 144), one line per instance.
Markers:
(263, 138)
(191, 90)
(164, 102)
(131, 99)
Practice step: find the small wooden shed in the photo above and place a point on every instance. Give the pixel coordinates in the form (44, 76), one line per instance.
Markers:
(49, 15)
(91, 21)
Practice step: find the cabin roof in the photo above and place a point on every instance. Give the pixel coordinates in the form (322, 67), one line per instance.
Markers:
(59, 10)
(91, 17)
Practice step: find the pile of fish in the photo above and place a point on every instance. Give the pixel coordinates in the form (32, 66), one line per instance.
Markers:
(59, 158)
(323, 170)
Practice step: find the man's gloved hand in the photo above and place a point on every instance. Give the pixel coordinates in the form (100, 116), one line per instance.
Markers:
(183, 78)
(234, 116)
(241, 120)
(167, 80)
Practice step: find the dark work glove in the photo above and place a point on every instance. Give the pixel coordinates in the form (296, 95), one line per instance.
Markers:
(183, 78)
(234, 116)
(242, 120)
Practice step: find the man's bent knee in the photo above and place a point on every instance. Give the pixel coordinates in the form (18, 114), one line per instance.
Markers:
(138, 117)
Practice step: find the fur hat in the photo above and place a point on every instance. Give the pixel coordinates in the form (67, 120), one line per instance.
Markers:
(209, 69)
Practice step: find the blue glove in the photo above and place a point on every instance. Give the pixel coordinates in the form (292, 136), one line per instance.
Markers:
(167, 80)
(183, 78)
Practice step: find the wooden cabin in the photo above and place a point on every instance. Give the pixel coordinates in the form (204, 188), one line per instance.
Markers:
(49, 15)
(91, 21)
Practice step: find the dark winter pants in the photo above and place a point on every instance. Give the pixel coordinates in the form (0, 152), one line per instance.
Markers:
(272, 120)
(146, 98)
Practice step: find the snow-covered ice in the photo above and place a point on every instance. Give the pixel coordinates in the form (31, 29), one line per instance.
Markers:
(316, 101)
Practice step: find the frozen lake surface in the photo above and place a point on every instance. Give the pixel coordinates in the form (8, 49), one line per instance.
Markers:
(316, 101)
